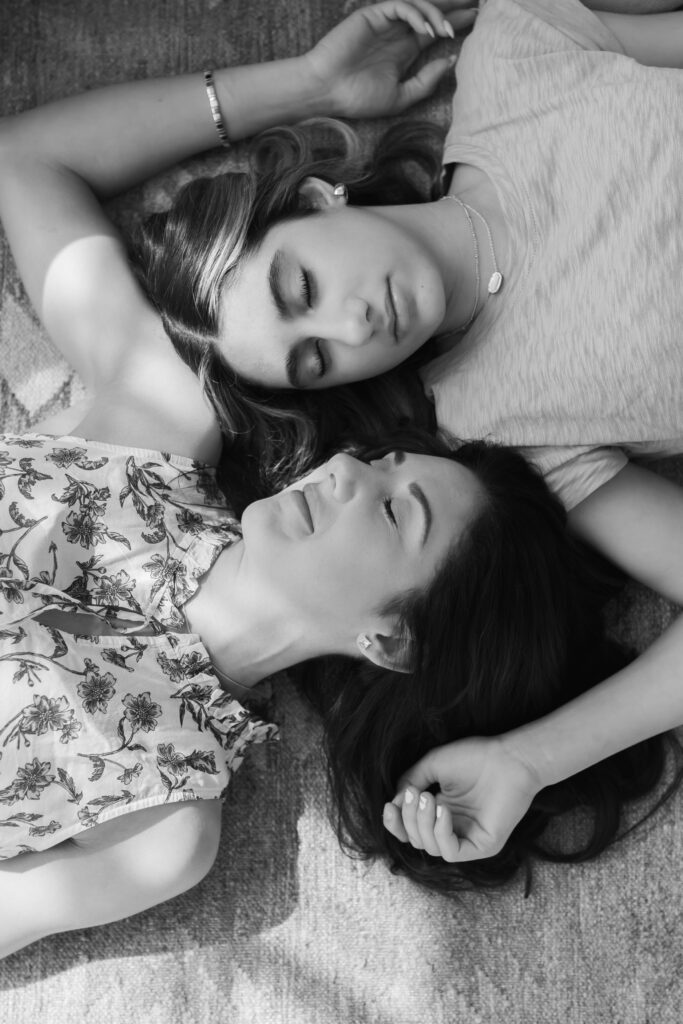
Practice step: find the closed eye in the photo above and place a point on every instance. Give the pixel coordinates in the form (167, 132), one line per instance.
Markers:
(388, 511)
(320, 362)
(306, 290)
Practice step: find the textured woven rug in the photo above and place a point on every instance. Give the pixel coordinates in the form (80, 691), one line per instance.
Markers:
(285, 929)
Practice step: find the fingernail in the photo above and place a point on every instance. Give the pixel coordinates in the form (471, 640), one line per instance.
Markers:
(409, 797)
(448, 29)
(423, 802)
(429, 30)
(439, 810)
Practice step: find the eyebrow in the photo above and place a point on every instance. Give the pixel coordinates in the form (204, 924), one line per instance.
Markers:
(418, 493)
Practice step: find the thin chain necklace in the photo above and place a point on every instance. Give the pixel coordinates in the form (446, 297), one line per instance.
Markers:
(496, 278)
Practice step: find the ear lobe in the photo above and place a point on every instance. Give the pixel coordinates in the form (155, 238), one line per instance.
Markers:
(390, 652)
(316, 194)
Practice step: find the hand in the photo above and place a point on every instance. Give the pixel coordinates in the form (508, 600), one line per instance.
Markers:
(360, 64)
(485, 790)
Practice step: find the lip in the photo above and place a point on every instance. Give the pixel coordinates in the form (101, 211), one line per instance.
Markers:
(391, 311)
(304, 508)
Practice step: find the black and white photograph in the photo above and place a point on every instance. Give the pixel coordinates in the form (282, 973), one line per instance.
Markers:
(341, 511)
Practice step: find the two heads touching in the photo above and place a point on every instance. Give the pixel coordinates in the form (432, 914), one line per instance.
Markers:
(461, 604)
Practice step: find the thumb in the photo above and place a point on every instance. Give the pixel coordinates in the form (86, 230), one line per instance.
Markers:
(421, 775)
(423, 83)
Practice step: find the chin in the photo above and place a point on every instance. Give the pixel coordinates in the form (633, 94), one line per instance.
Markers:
(257, 516)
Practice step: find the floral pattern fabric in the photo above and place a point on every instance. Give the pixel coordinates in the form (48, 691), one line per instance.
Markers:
(95, 726)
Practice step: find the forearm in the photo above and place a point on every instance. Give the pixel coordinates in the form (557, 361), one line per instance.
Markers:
(652, 39)
(642, 700)
(115, 137)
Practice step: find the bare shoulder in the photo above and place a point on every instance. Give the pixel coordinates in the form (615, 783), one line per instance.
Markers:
(155, 401)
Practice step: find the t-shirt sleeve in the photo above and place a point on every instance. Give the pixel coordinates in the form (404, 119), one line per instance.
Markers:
(518, 52)
(573, 473)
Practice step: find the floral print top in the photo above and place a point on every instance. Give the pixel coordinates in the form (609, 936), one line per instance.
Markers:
(96, 726)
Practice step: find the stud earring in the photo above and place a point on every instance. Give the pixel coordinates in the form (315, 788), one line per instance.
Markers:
(341, 191)
(364, 642)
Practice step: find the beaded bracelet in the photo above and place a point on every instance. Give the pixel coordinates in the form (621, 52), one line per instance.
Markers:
(215, 109)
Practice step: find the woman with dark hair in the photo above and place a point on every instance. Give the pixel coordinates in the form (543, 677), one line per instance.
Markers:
(140, 612)
(136, 610)
(510, 635)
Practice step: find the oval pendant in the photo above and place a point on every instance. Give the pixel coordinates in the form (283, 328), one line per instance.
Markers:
(495, 282)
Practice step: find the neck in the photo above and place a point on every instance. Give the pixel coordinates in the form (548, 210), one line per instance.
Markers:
(247, 635)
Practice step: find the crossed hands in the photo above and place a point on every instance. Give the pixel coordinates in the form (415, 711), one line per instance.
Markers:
(360, 64)
(485, 789)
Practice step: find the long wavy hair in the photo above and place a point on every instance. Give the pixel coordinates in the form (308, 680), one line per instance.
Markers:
(186, 255)
(510, 628)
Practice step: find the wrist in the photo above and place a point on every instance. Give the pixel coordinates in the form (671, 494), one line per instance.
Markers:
(525, 748)
(254, 97)
(317, 88)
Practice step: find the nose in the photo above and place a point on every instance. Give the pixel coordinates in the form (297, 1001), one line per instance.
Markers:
(346, 475)
(351, 324)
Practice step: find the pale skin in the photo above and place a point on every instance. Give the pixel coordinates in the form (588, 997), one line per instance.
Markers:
(485, 785)
(56, 164)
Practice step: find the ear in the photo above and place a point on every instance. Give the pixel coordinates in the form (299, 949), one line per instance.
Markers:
(316, 194)
(391, 652)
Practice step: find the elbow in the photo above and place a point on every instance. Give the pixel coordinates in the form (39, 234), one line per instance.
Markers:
(177, 857)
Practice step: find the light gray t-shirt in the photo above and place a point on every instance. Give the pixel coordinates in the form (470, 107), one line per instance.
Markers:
(580, 351)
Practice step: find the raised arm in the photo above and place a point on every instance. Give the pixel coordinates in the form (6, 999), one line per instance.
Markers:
(487, 784)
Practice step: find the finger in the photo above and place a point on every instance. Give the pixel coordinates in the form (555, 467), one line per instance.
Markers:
(456, 846)
(448, 843)
(445, 19)
(424, 18)
(409, 815)
(448, 6)
(421, 776)
(418, 88)
(393, 822)
(462, 19)
(426, 819)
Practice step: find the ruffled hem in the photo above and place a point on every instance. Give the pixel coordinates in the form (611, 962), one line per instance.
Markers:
(181, 461)
(197, 559)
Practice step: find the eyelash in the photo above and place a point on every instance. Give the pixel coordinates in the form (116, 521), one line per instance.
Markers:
(319, 359)
(306, 287)
(388, 512)
(308, 298)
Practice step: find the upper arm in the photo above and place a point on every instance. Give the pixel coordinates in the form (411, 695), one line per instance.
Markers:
(76, 271)
(653, 39)
(636, 520)
(71, 260)
(122, 867)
